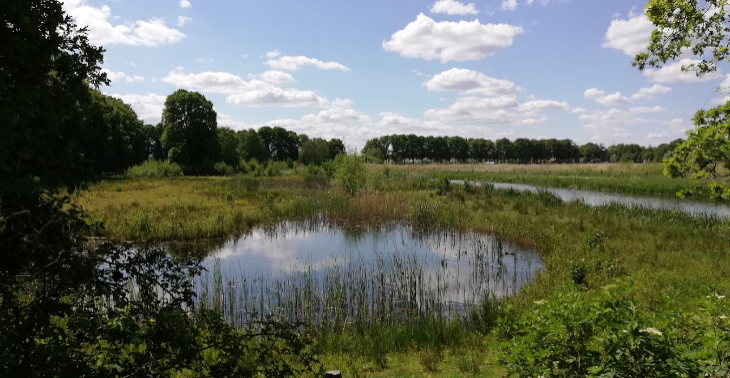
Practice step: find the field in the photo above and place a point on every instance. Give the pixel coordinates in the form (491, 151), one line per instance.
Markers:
(636, 179)
(659, 259)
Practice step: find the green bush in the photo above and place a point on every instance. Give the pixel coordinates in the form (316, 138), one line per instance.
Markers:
(351, 173)
(590, 335)
(224, 169)
(154, 168)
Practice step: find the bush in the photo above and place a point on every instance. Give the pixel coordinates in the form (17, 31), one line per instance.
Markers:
(590, 335)
(224, 169)
(351, 173)
(154, 168)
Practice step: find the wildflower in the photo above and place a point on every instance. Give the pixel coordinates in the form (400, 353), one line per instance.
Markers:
(540, 302)
(651, 331)
(718, 296)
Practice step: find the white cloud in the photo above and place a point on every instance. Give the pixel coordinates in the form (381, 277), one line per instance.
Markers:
(606, 99)
(277, 77)
(153, 32)
(543, 105)
(451, 41)
(148, 107)
(453, 7)
(182, 20)
(469, 82)
(509, 5)
(121, 76)
(650, 92)
(672, 73)
(244, 93)
(225, 120)
(292, 63)
(273, 54)
(578, 110)
(631, 36)
(610, 125)
(496, 110)
(644, 109)
(185, 4)
(339, 112)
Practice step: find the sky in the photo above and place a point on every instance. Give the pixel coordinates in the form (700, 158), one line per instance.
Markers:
(356, 70)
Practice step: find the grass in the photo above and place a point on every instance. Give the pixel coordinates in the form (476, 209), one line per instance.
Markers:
(628, 178)
(664, 254)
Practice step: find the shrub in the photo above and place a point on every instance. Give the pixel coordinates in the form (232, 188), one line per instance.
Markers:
(224, 169)
(589, 335)
(154, 168)
(351, 173)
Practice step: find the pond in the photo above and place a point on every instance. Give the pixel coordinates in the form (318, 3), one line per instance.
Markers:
(314, 272)
(594, 198)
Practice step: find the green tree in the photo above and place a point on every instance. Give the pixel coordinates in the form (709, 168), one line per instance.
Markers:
(351, 173)
(336, 147)
(315, 151)
(190, 131)
(155, 150)
(701, 28)
(114, 138)
(228, 140)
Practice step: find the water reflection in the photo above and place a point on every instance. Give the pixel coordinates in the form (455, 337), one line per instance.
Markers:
(593, 198)
(315, 272)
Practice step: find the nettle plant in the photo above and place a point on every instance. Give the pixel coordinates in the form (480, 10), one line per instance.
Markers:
(599, 334)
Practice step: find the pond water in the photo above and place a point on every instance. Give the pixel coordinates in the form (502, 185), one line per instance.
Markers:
(313, 272)
(593, 198)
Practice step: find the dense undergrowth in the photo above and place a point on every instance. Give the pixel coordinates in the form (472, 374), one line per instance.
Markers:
(567, 322)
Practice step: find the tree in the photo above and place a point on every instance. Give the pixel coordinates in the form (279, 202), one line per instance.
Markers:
(66, 306)
(114, 138)
(701, 28)
(251, 146)
(155, 150)
(228, 141)
(190, 131)
(315, 151)
(336, 147)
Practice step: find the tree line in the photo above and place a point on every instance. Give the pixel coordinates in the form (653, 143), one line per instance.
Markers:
(401, 148)
(115, 139)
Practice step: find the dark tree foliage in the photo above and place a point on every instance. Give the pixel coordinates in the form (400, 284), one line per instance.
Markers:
(114, 139)
(67, 308)
(190, 131)
(315, 151)
(229, 142)
(412, 148)
(251, 146)
(155, 150)
(336, 147)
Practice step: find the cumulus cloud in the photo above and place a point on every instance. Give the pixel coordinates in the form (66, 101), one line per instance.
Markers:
(277, 77)
(185, 4)
(148, 107)
(610, 125)
(453, 7)
(645, 109)
(631, 36)
(673, 73)
(451, 41)
(292, 63)
(509, 5)
(468, 82)
(244, 93)
(273, 54)
(496, 110)
(578, 110)
(153, 32)
(121, 76)
(649, 93)
(182, 20)
(225, 120)
(606, 99)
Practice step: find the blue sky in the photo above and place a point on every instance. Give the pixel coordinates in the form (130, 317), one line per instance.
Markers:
(357, 70)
